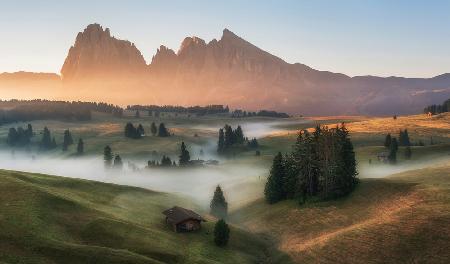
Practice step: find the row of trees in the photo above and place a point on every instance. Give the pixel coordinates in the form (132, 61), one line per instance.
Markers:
(392, 144)
(111, 160)
(20, 137)
(184, 159)
(263, 113)
(437, 109)
(199, 110)
(137, 132)
(322, 165)
(28, 110)
(229, 138)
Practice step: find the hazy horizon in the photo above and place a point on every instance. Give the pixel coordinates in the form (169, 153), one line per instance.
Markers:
(372, 38)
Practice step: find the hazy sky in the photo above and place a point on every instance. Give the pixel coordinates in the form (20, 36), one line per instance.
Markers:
(377, 37)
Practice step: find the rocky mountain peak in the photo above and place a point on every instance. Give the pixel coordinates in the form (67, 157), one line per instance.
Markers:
(96, 53)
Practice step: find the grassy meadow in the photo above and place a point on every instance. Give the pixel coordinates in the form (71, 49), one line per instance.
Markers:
(397, 214)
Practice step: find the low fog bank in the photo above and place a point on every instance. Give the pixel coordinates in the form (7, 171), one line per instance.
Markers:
(384, 170)
(258, 128)
(241, 183)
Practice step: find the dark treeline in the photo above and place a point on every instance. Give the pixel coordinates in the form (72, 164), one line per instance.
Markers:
(19, 137)
(264, 113)
(321, 166)
(437, 109)
(134, 132)
(229, 138)
(199, 110)
(392, 144)
(28, 110)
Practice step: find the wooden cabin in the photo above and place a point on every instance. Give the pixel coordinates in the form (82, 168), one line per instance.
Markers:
(182, 219)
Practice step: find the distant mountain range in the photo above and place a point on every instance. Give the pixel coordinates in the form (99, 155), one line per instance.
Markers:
(226, 71)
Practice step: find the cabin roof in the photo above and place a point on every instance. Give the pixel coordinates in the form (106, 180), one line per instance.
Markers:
(178, 214)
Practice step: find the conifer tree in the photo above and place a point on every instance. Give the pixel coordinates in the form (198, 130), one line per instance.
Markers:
(107, 156)
(408, 152)
(46, 142)
(239, 135)
(184, 156)
(67, 140)
(153, 129)
(219, 206)
(221, 233)
(387, 141)
(141, 130)
(221, 143)
(80, 147)
(118, 162)
(162, 131)
(393, 151)
(29, 130)
(273, 191)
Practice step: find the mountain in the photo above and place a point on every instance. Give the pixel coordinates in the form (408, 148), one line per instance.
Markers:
(97, 54)
(231, 71)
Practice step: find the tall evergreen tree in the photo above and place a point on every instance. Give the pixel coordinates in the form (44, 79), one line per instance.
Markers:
(239, 135)
(393, 152)
(221, 143)
(46, 142)
(408, 152)
(67, 139)
(221, 233)
(219, 206)
(29, 130)
(153, 129)
(162, 131)
(141, 130)
(118, 162)
(184, 155)
(273, 191)
(80, 147)
(107, 156)
(387, 141)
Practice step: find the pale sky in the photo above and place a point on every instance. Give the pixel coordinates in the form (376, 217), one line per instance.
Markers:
(359, 37)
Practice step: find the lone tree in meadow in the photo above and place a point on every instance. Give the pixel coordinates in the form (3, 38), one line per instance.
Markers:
(387, 141)
(273, 190)
(153, 129)
(162, 131)
(67, 140)
(184, 156)
(219, 206)
(393, 151)
(118, 162)
(80, 147)
(107, 156)
(221, 233)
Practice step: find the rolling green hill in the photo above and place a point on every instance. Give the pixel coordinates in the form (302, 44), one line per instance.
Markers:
(48, 219)
(401, 219)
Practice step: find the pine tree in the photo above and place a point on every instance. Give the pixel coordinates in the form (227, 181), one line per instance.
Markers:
(273, 191)
(107, 156)
(162, 131)
(408, 152)
(184, 156)
(153, 129)
(239, 135)
(393, 152)
(219, 206)
(221, 143)
(221, 233)
(67, 140)
(141, 130)
(118, 162)
(229, 137)
(46, 142)
(387, 141)
(80, 147)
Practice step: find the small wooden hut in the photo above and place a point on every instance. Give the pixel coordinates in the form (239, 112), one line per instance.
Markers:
(182, 219)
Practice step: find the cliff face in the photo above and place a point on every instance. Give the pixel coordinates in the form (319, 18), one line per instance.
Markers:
(235, 72)
(97, 54)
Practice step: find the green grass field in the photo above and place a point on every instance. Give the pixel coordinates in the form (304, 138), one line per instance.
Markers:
(46, 219)
(403, 218)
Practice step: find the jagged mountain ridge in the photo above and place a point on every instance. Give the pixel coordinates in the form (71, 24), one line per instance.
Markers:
(235, 72)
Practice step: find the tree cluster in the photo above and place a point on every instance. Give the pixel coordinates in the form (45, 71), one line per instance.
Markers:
(229, 137)
(134, 132)
(199, 110)
(48, 142)
(437, 109)
(165, 162)
(163, 131)
(238, 113)
(321, 166)
(19, 137)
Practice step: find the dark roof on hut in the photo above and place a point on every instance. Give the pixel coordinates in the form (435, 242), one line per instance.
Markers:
(178, 214)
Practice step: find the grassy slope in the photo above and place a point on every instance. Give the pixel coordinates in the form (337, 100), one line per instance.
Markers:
(46, 219)
(404, 218)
